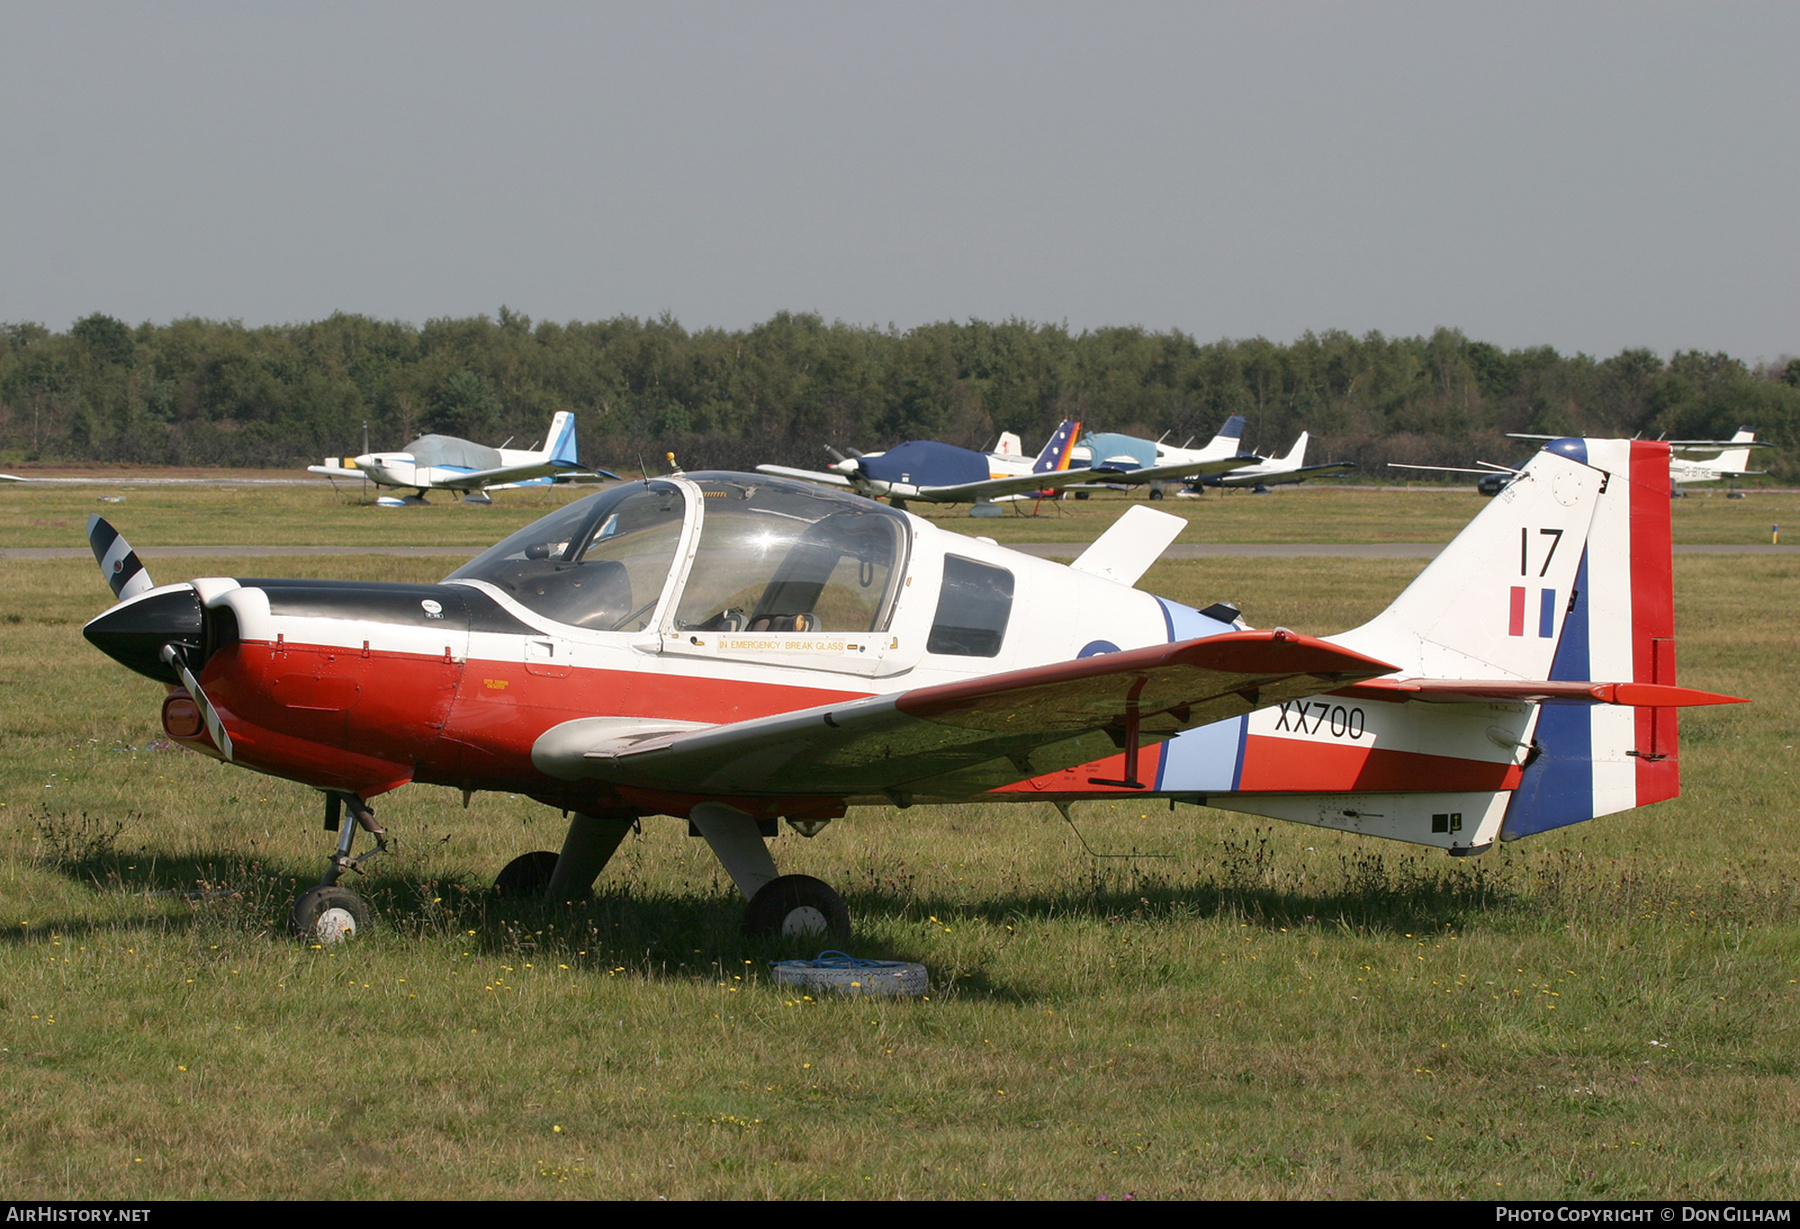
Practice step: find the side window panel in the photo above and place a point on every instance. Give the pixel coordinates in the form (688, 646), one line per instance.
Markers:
(973, 609)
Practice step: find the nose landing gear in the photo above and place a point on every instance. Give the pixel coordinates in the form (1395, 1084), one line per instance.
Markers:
(326, 913)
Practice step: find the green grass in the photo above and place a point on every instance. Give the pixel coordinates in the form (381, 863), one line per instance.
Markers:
(157, 518)
(1241, 1010)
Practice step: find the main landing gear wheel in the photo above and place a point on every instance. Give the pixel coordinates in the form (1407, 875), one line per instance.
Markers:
(527, 877)
(328, 915)
(797, 905)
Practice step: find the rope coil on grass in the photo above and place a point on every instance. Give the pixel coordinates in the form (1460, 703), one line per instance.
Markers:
(847, 974)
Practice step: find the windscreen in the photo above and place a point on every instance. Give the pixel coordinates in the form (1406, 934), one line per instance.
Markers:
(599, 563)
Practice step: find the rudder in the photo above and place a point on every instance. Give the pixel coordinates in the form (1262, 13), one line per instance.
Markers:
(1593, 760)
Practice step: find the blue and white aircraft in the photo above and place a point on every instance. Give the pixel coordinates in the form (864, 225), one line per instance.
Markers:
(933, 472)
(446, 463)
(943, 473)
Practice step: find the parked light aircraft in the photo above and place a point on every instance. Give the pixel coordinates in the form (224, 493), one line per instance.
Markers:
(1129, 454)
(736, 650)
(1733, 456)
(1152, 460)
(933, 472)
(1276, 471)
(1731, 462)
(943, 473)
(446, 463)
(1260, 473)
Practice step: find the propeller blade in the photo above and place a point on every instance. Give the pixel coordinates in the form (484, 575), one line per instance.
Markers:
(119, 564)
(172, 654)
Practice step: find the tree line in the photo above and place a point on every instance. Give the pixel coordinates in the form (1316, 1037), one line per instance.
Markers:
(215, 393)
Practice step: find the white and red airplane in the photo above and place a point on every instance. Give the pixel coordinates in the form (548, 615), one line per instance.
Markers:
(737, 650)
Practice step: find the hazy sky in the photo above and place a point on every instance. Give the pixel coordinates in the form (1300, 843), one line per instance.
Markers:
(1587, 176)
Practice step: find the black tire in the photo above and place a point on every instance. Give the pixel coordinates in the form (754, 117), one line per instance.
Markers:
(526, 877)
(328, 915)
(793, 906)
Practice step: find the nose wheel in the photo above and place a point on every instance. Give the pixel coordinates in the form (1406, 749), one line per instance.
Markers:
(328, 914)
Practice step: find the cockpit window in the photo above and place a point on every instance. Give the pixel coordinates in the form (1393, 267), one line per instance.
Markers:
(973, 609)
(599, 563)
(785, 557)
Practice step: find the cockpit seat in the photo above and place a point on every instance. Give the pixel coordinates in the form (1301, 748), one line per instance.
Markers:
(786, 623)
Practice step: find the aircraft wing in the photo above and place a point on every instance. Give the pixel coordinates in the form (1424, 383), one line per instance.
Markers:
(1282, 476)
(588, 476)
(481, 479)
(956, 740)
(805, 475)
(1169, 473)
(1057, 479)
(336, 471)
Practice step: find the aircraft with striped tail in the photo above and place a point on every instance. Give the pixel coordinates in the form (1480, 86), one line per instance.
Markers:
(741, 652)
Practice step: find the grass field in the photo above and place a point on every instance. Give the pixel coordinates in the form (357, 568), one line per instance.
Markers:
(1241, 1010)
(158, 518)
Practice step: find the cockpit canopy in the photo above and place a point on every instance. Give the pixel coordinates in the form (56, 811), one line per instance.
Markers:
(448, 452)
(771, 557)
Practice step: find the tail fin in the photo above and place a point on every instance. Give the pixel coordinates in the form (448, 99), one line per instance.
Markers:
(1296, 456)
(1230, 436)
(1601, 759)
(1056, 453)
(1733, 460)
(559, 445)
(1008, 445)
(1493, 603)
(1566, 576)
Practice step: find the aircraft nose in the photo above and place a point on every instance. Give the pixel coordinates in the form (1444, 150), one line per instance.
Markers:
(133, 633)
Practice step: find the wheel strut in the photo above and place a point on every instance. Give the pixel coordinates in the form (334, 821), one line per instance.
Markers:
(360, 816)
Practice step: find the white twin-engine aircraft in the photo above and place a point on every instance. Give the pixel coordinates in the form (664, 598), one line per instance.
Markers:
(446, 463)
(736, 650)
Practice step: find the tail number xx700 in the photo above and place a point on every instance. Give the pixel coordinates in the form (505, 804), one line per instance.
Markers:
(1319, 716)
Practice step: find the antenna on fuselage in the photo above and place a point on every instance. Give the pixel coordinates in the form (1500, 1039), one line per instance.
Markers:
(1062, 808)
